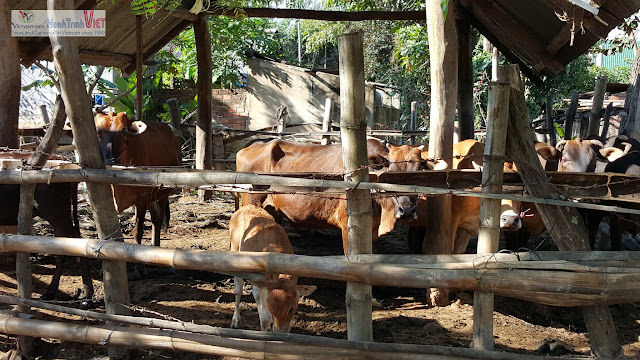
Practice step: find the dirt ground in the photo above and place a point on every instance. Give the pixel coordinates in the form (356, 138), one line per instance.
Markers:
(399, 314)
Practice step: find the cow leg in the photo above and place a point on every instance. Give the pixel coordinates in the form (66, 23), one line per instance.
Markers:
(515, 240)
(158, 212)
(615, 233)
(261, 294)
(462, 241)
(238, 284)
(52, 290)
(415, 237)
(87, 283)
(138, 227)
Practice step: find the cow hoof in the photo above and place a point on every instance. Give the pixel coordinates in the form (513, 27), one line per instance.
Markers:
(438, 297)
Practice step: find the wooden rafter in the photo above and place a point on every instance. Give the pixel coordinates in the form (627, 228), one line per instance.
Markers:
(512, 35)
(504, 49)
(325, 15)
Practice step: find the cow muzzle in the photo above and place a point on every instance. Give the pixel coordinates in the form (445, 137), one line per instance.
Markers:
(510, 221)
(405, 207)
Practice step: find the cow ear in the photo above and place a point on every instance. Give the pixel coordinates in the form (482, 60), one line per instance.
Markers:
(137, 128)
(611, 153)
(421, 147)
(549, 153)
(305, 290)
(376, 161)
(560, 145)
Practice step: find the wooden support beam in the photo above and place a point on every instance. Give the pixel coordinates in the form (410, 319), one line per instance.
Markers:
(139, 75)
(571, 115)
(563, 37)
(77, 104)
(564, 223)
(354, 157)
(204, 149)
(512, 35)
(489, 234)
(10, 78)
(465, 77)
(551, 129)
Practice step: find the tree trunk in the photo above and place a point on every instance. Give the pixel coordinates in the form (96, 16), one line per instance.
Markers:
(10, 79)
(76, 99)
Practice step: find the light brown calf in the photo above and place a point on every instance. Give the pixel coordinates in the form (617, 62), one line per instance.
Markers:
(254, 229)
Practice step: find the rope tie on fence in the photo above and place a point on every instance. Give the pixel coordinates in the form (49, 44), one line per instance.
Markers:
(104, 341)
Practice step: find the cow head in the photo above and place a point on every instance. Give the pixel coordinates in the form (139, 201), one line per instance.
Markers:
(282, 301)
(405, 157)
(510, 219)
(404, 207)
(114, 133)
(578, 155)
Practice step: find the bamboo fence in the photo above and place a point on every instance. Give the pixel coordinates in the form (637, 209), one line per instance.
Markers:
(547, 282)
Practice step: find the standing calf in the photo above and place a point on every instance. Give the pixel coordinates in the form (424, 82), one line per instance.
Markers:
(253, 229)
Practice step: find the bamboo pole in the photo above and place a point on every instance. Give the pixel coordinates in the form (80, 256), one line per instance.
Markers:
(596, 106)
(558, 283)
(489, 234)
(413, 123)
(76, 100)
(202, 178)
(247, 348)
(353, 128)
(565, 224)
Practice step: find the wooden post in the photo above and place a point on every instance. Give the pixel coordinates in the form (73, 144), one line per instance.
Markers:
(326, 121)
(25, 214)
(596, 105)
(489, 235)
(495, 63)
(631, 103)
(443, 53)
(465, 77)
(44, 113)
(174, 113)
(354, 154)
(551, 129)
(564, 223)
(76, 99)
(218, 143)
(204, 149)
(282, 118)
(413, 124)
(139, 60)
(10, 78)
(571, 115)
(605, 122)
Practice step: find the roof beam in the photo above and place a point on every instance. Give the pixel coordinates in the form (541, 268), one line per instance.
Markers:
(309, 14)
(504, 49)
(497, 21)
(160, 43)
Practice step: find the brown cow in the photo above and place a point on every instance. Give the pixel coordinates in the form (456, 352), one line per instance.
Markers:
(57, 204)
(313, 210)
(126, 142)
(253, 229)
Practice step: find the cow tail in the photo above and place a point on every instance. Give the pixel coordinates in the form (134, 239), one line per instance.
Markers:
(166, 217)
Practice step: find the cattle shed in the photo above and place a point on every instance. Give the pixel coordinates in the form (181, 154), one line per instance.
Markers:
(540, 37)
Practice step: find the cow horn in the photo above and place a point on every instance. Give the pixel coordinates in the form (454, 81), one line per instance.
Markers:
(627, 147)
(596, 143)
(560, 145)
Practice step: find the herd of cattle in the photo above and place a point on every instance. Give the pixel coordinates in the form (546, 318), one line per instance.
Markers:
(253, 228)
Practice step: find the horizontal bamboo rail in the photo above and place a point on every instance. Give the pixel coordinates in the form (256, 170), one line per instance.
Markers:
(556, 283)
(245, 348)
(205, 178)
